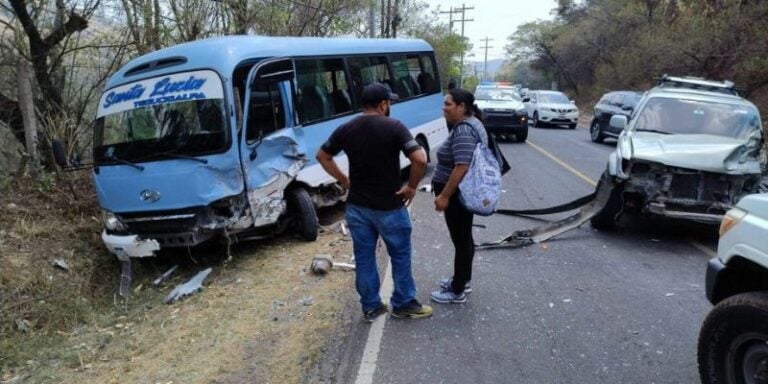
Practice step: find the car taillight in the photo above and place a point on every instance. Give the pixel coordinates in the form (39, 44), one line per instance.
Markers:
(731, 218)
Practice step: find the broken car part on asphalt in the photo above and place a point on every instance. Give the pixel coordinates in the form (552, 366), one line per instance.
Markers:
(323, 264)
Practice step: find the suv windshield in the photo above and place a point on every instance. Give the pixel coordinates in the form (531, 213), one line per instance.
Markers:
(496, 94)
(161, 118)
(681, 116)
(553, 98)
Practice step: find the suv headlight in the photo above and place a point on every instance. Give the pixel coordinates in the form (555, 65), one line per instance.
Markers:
(111, 222)
(731, 218)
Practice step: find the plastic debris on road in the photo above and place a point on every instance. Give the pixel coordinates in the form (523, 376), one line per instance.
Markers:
(190, 287)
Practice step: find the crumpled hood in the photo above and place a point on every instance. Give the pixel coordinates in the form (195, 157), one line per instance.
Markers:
(701, 152)
(500, 104)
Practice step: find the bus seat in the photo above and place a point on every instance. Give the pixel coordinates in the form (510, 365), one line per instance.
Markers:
(426, 82)
(314, 103)
(341, 101)
(403, 87)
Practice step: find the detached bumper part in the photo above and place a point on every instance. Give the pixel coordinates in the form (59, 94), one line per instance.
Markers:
(125, 247)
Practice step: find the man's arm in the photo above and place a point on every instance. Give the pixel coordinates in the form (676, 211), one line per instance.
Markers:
(418, 160)
(329, 165)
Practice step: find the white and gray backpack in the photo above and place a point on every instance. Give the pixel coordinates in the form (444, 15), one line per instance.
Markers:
(480, 189)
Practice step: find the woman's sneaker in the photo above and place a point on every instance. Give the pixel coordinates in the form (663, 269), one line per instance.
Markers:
(446, 296)
(445, 285)
(412, 310)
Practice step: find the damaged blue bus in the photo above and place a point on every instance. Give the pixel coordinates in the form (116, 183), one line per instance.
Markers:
(217, 137)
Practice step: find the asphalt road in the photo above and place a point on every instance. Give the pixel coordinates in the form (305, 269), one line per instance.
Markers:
(585, 307)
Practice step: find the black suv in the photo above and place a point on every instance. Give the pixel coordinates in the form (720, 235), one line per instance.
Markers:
(612, 103)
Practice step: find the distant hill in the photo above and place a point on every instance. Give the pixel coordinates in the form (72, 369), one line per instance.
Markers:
(493, 66)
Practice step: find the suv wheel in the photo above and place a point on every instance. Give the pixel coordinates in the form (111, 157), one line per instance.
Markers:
(595, 133)
(608, 216)
(733, 341)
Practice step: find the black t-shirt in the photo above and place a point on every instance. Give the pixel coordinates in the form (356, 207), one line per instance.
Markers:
(373, 144)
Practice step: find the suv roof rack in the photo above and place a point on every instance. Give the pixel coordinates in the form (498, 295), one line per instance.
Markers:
(726, 87)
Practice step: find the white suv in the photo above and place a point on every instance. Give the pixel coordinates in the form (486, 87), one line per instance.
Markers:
(551, 107)
(733, 343)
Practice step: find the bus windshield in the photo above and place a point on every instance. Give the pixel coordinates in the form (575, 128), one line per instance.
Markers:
(162, 117)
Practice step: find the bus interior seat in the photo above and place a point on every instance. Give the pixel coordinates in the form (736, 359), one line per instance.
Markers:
(403, 87)
(341, 101)
(426, 82)
(314, 103)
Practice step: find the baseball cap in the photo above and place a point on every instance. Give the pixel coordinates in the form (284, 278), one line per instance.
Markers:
(375, 93)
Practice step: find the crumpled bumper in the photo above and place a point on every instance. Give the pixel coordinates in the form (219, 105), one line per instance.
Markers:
(129, 246)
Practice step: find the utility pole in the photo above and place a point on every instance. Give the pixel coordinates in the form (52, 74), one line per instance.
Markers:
(450, 13)
(485, 63)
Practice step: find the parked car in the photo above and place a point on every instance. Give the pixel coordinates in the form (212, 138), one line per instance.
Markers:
(733, 341)
(504, 114)
(551, 107)
(690, 151)
(612, 103)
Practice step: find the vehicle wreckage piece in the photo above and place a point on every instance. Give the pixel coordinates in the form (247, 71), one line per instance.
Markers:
(193, 285)
(322, 265)
(125, 247)
(590, 205)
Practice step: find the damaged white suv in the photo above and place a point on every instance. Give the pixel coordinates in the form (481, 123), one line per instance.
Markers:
(690, 151)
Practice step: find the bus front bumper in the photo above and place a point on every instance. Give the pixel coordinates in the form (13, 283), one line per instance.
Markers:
(129, 246)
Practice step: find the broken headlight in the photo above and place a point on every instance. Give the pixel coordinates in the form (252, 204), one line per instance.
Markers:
(111, 222)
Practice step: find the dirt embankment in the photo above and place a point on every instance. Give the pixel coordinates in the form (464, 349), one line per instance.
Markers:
(261, 317)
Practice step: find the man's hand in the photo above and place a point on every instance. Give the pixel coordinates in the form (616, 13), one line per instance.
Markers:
(406, 193)
(344, 183)
(441, 203)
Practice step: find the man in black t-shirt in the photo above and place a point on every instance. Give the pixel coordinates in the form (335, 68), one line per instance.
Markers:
(377, 199)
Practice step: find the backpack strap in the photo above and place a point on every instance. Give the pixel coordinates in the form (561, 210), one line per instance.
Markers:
(472, 129)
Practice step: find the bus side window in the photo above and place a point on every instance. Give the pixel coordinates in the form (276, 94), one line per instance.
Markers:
(427, 79)
(266, 112)
(323, 89)
(403, 84)
(364, 70)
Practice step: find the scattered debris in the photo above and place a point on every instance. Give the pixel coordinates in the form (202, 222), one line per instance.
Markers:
(322, 264)
(11, 206)
(61, 264)
(343, 228)
(668, 294)
(551, 305)
(165, 275)
(307, 301)
(426, 188)
(479, 225)
(190, 287)
(566, 300)
(23, 325)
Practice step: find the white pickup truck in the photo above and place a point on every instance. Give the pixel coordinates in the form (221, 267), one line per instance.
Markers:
(733, 342)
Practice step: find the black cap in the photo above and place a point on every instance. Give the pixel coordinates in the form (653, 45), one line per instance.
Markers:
(375, 93)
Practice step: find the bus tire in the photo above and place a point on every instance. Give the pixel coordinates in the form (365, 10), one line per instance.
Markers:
(303, 214)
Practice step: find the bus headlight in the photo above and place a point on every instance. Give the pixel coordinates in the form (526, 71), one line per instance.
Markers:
(731, 218)
(111, 222)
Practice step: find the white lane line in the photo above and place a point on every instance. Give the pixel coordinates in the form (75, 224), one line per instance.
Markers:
(701, 247)
(373, 343)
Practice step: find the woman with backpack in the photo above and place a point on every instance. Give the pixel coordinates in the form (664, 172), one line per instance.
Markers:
(453, 159)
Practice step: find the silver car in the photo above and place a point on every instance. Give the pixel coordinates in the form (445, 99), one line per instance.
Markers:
(690, 151)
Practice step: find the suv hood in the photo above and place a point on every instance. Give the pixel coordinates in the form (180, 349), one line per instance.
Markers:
(700, 152)
(500, 105)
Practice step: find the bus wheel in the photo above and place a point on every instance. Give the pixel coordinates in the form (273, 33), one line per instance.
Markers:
(302, 214)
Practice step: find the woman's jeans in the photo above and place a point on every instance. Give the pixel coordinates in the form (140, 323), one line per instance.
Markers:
(394, 227)
(459, 222)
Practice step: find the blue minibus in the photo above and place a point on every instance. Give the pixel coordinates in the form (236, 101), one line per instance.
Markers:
(217, 137)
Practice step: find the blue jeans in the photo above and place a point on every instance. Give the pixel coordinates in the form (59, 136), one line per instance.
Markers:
(394, 227)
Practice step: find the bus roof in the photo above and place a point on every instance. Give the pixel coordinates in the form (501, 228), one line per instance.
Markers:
(223, 54)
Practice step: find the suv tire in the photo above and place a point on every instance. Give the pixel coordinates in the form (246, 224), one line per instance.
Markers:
(732, 343)
(608, 216)
(521, 137)
(595, 133)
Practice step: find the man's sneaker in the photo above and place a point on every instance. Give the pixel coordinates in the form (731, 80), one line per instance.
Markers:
(445, 285)
(446, 296)
(412, 310)
(371, 315)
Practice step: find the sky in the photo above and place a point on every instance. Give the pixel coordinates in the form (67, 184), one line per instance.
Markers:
(495, 19)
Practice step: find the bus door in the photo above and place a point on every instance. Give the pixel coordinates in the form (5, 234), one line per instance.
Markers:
(270, 155)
